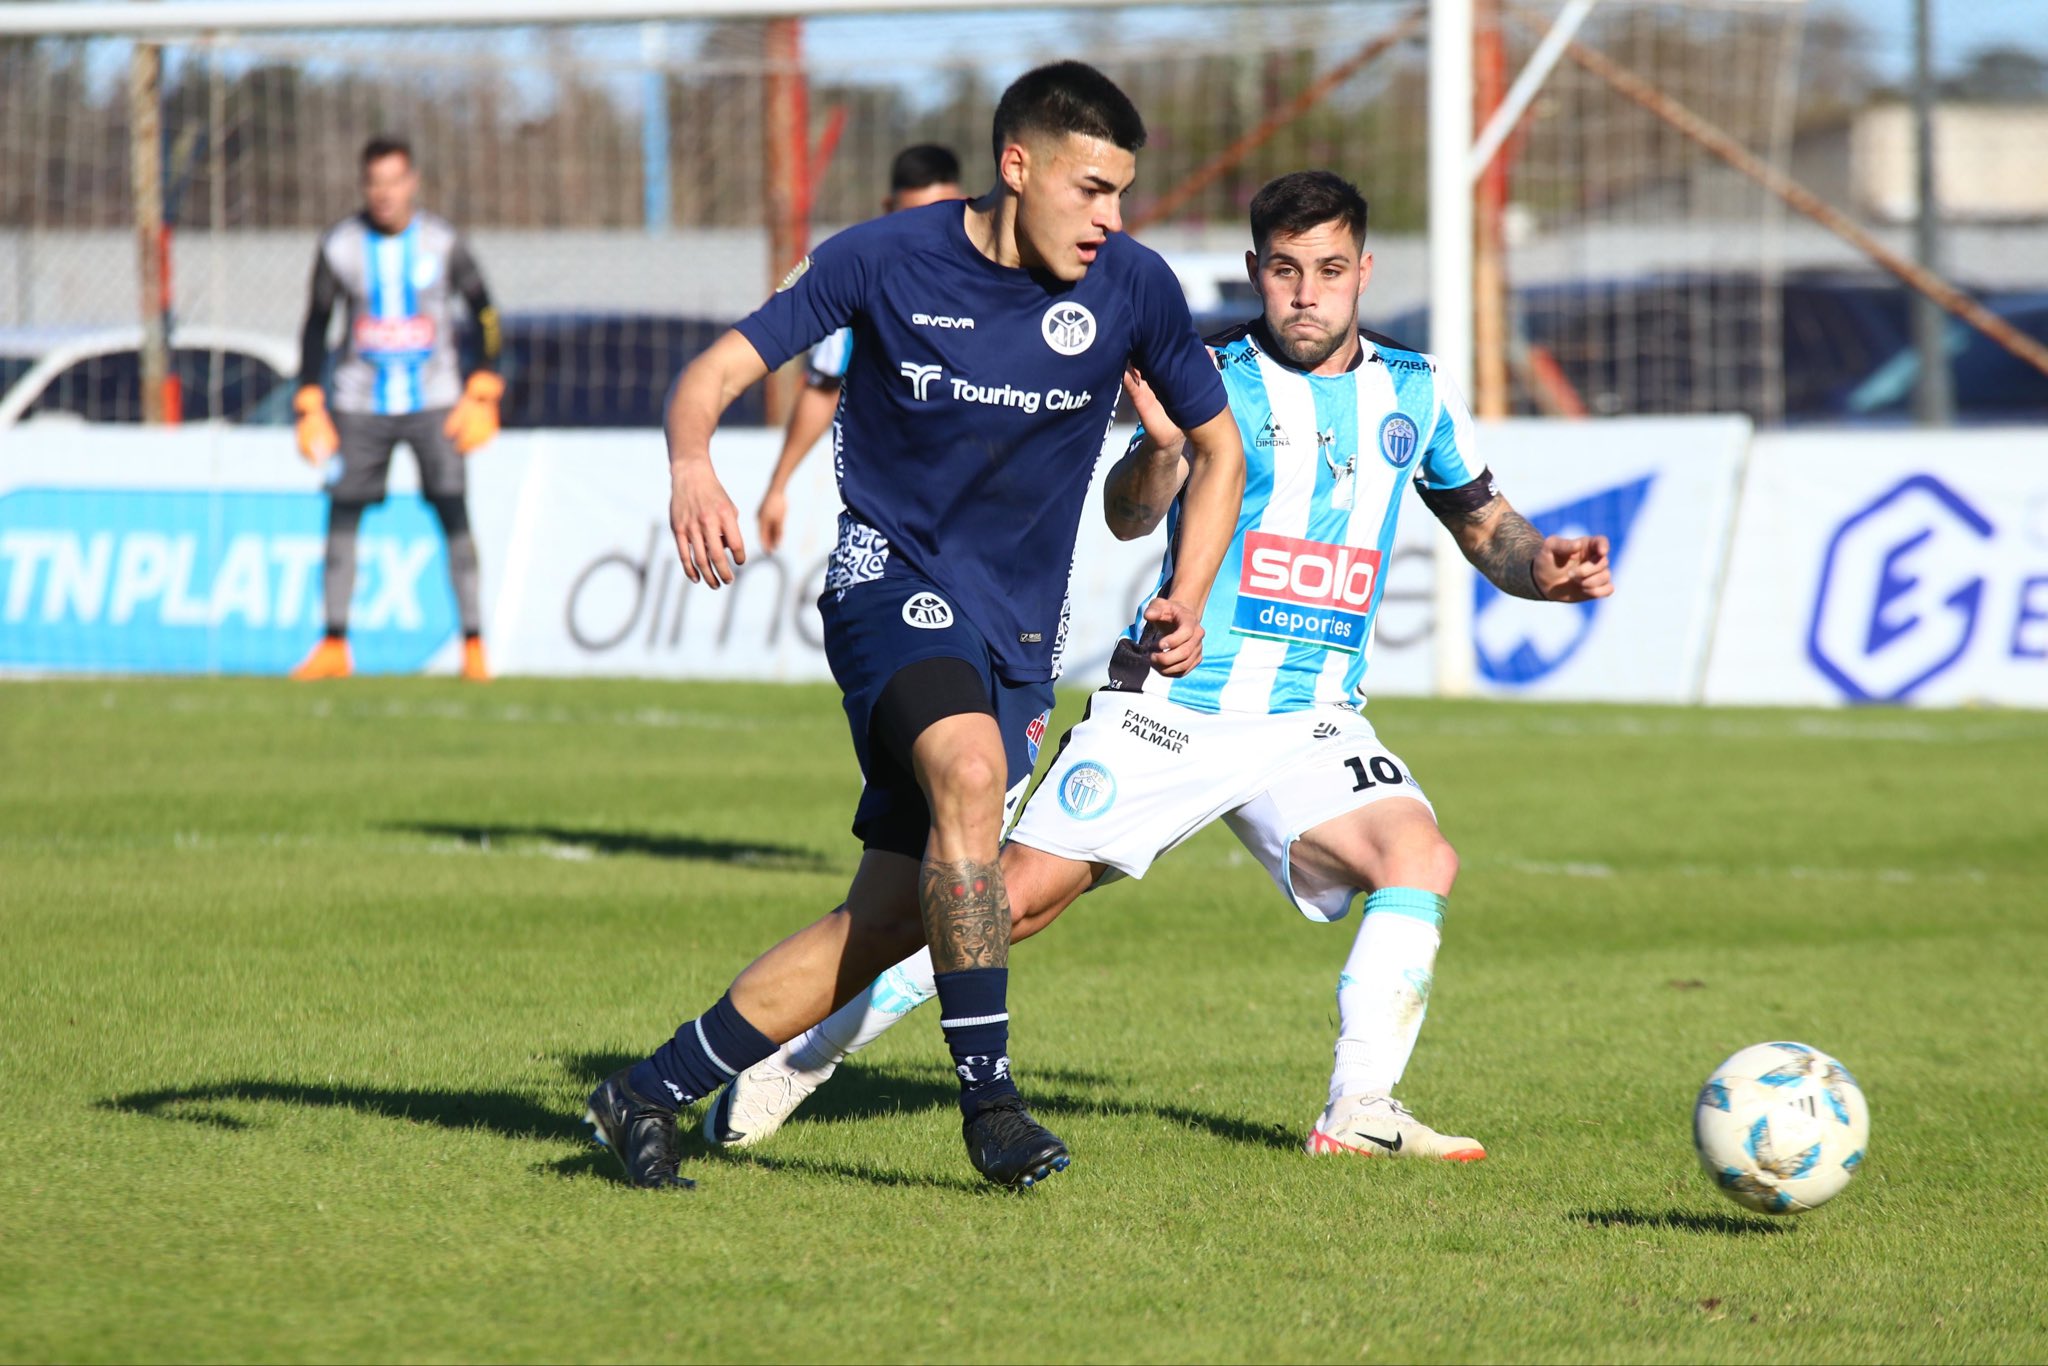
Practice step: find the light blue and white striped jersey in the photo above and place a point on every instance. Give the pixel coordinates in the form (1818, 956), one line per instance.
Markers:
(1327, 457)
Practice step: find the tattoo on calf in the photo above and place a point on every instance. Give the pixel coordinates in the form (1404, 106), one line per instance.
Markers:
(966, 914)
(1508, 557)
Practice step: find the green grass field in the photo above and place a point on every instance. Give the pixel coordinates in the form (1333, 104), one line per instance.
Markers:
(303, 989)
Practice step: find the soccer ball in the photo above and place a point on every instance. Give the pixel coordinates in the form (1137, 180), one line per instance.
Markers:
(1781, 1127)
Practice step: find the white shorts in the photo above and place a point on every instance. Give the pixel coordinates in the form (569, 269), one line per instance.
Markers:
(1139, 774)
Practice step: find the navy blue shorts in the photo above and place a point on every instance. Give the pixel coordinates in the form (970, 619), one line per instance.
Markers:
(872, 632)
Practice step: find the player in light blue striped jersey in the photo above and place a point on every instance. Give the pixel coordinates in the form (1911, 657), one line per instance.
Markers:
(1266, 732)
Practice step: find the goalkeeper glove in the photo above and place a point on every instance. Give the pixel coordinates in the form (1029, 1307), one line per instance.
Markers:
(317, 437)
(474, 420)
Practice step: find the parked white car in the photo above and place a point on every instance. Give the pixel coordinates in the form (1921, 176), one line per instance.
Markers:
(95, 375)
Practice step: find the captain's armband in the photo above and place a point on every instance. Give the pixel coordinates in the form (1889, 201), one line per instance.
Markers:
(1464, 501)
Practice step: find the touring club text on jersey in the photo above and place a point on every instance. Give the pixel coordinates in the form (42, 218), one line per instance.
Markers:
(974, 407)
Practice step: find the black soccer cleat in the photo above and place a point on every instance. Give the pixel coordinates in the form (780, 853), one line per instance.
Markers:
(1011, 1148)
(641, 1133)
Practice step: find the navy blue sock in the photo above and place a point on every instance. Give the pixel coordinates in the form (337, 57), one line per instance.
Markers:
(705, 1054)
(974, 1012)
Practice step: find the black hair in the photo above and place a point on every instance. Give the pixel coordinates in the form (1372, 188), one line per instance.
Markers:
(922, 166)
(1303, 200)
(385, 145)
(1067, 97)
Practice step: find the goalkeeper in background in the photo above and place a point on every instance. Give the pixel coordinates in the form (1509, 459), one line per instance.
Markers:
(398, 378)
(920, 175)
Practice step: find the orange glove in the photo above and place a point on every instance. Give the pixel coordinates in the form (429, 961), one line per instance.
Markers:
(317, 437)
(474, 420)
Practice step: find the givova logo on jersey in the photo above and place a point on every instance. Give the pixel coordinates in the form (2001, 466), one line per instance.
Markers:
(1306, 592)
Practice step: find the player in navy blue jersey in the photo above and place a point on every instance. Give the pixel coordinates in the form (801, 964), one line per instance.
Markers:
(920, 175)
(990, 341)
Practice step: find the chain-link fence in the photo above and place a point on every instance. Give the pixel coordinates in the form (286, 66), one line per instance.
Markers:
(624, 186)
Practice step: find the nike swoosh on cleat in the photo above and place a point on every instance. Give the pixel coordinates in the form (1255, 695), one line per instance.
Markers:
(1393, 1147)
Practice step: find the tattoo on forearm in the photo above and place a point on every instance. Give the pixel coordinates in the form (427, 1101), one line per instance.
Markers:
(1129, 509)
(966, 914)
(1508, 556)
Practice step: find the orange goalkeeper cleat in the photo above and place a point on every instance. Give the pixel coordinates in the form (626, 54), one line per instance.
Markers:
(474, 667)
(330, 659)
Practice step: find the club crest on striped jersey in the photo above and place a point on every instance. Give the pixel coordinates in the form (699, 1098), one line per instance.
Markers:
(1399, 440)
(1306, 592)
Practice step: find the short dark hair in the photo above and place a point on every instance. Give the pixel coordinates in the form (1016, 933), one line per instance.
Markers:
(1303, 200)
(1067, 97)
(922, 166)
(385, 145)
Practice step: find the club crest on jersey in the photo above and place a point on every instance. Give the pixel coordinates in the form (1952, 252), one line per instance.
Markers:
(1306, 592)
(1399, 440)
(425, 270)
(1068, 328)
(1087, 791)
(928, 612)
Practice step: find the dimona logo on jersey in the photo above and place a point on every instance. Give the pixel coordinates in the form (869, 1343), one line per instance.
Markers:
(1069, 328)
(928, 612)
(1087, 791)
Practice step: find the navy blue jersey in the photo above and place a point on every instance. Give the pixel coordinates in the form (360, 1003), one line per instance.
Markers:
(975, 407)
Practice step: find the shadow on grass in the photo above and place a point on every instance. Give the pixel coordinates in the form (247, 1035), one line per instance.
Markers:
(628, 843)
(856, 1093)
(1685, 1221)
(501, 1112)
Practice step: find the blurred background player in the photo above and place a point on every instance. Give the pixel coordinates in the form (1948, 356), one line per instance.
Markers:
(399, 378)
(990, 340)
(1267, 732)
(920, 175)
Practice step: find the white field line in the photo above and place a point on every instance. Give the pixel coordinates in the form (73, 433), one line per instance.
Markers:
(1704, 725)
(1753, 872)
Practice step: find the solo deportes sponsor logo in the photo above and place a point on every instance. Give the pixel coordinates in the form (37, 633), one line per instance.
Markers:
(393, 336)
(1306, 591)
(1087, 791)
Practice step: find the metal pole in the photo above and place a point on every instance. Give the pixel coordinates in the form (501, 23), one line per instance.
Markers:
(145, 178)
(1934, 400)
(654, 128)
(1490, 397)
(1450, 303)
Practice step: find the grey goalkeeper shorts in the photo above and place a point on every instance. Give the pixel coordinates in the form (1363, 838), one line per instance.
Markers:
(367, 440)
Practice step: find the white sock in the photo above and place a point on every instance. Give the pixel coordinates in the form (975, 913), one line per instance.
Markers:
(1383, 992)
(866, 1017)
